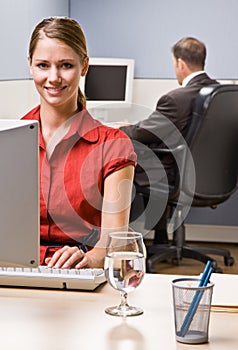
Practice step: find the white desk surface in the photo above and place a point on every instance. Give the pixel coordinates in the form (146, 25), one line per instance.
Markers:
(43, 319)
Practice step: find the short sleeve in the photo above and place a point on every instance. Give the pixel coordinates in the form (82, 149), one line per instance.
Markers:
(118, 151)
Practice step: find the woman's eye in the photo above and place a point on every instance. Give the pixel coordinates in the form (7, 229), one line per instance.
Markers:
(42, 65)
(67, 65)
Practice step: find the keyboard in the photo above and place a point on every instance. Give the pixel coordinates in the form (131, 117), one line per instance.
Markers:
(52, 278)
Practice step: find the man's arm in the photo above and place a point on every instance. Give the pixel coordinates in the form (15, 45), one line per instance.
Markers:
(157, 126)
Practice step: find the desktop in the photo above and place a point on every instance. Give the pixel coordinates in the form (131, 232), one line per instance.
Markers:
(42, 319)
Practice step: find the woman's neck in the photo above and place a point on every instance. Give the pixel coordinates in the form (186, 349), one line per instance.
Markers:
(52, 118)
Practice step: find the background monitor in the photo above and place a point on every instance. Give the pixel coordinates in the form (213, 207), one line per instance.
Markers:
(108, 81)
(19, 199)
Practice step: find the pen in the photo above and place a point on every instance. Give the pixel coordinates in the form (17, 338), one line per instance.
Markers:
(205, 274)
(196, 299)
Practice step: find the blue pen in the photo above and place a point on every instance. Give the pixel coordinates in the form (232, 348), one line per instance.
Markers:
(196, 299)
(205, 273)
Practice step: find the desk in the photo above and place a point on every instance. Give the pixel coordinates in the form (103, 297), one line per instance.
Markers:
(62, 320)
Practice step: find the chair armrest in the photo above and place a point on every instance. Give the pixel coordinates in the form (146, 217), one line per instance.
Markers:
(174, 150)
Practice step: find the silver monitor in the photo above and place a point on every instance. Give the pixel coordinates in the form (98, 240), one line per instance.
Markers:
(19, 193)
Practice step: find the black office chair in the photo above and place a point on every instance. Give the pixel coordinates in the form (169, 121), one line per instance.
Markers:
(213, 142)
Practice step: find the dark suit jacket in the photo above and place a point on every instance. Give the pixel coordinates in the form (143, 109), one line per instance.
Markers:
(163, 128)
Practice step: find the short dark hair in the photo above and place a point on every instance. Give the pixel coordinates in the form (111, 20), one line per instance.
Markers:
(191, 51)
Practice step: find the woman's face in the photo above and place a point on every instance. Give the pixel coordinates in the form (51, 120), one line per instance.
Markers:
(56, 70)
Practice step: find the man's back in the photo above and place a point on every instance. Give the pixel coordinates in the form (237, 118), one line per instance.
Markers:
(177, 105)
(167, 125)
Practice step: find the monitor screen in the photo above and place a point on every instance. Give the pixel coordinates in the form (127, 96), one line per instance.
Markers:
(108, 80)
(19, 199)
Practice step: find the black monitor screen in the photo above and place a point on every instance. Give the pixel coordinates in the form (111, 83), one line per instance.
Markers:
(106, 83)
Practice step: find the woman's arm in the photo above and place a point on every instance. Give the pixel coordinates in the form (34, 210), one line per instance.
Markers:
(115, 213)
(115, 217)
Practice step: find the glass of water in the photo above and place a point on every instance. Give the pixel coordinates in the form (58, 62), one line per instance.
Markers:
(125, 268)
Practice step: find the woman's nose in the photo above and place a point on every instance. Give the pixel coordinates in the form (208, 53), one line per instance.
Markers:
(54, 76)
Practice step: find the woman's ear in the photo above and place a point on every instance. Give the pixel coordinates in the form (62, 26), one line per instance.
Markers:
(29, 62)
(85, 66)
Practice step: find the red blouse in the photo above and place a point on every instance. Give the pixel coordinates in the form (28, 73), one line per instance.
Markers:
(72, 177)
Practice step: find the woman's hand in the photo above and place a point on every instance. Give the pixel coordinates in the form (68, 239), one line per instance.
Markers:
(93, 258)
(73, 257)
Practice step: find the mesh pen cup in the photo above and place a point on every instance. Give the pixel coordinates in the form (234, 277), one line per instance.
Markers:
(192, 305)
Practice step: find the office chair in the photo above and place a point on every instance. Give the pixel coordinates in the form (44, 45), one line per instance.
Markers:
(212, 157)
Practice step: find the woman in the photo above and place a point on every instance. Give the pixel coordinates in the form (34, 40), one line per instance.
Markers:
(86, 168)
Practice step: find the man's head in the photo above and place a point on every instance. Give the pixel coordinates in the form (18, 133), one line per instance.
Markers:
(189, 55)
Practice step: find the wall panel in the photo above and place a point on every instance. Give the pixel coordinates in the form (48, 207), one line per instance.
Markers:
(146, 30)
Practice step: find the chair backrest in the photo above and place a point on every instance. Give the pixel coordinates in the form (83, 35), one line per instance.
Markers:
(213, 142)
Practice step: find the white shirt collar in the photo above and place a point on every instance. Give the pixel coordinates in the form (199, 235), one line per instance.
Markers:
(190, 76)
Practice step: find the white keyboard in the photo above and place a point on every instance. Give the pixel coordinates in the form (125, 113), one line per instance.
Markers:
(52, 278)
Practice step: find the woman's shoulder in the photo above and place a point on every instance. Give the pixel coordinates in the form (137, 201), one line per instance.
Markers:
(32, 114)
(112, 131)
(108, 131)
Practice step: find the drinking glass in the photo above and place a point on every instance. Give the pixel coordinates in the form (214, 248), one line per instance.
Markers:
(125, 268)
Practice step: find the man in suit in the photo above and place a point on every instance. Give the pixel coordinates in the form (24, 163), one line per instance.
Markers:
(169, 121)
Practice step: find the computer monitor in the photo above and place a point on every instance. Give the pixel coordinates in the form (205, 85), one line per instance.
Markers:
(19, 199)
(108, 80)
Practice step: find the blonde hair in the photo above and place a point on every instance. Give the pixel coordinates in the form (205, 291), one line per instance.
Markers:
(66, 30)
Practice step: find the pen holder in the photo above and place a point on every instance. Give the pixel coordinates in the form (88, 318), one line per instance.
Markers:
(192, 305)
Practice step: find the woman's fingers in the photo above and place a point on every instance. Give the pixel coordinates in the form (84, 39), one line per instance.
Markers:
(66, 257)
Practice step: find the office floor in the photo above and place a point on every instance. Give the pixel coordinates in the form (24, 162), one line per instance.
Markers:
(190, 266)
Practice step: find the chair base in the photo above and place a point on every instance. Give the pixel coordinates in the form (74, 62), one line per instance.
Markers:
(158, 253)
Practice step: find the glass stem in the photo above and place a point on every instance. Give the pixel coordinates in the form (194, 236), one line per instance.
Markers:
(123, 304)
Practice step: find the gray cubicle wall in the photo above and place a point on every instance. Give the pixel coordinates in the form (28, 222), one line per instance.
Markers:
(143, 30)
(18, 18)
(146, 30)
